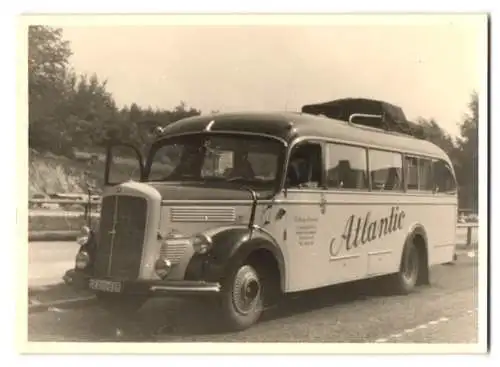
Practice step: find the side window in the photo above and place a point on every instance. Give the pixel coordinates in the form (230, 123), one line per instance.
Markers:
(386, 170)
(418, 174)
(425, 175)
(411, 173)
(347, 168)
(443, 177)
(305, 166)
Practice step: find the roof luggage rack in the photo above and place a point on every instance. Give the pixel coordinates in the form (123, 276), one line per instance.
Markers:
(367, 114)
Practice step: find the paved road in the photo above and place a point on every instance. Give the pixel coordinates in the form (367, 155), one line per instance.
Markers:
(48, 261)
(444, 312)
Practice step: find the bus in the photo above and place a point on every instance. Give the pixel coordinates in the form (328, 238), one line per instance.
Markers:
(240, 209)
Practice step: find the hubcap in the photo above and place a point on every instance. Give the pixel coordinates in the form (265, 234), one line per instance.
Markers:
(246, 291)
(251, 290)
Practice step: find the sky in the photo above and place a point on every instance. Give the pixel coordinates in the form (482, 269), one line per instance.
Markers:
(428, 69)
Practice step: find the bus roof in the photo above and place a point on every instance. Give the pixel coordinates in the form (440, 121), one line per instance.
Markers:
(288, 126)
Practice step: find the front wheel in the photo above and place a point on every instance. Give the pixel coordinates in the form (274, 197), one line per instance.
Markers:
(405, 280)
(242, 298)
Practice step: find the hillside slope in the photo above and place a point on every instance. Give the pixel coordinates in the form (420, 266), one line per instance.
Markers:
(49, 174)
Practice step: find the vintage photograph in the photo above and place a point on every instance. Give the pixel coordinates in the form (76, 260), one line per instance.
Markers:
(249, 179)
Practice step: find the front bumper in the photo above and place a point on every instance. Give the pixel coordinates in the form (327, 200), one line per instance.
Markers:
(80, 280)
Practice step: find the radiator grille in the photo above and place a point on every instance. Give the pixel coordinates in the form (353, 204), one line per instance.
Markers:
(202, 214)
(121, 236)
(174, 249)
(103, 251)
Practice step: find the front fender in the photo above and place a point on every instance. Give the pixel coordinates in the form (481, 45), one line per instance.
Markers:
(232, 246)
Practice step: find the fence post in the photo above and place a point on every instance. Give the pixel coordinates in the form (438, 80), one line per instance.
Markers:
(86, 211)
(469, 236)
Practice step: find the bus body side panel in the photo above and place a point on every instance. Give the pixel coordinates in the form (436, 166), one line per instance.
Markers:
(441, 225)
(376, 225)
(362, 234)
(365, 236)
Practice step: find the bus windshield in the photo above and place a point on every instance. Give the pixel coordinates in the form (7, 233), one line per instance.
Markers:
(247, 160)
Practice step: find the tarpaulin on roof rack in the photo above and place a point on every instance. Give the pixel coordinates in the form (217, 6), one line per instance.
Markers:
(393, 117)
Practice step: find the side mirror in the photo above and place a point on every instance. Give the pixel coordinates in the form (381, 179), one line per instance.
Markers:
(287, 182)
(123, 163)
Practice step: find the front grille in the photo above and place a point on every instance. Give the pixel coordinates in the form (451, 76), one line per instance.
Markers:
(173, 250)
(202, 214)
(121, 236)
(103, 252)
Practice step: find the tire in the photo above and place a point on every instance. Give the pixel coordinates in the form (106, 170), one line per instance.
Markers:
(242, 298)
(406, 279)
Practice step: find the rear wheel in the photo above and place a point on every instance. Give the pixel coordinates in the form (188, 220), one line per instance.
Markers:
(242, 298)
(405, 280)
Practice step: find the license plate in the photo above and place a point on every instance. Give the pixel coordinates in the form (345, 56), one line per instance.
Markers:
(105, 285)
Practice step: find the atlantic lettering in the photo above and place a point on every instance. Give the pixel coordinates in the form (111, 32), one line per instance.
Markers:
(400, 220)
(347, 232)
(384, 227)
(364, 239)
(372, 230)
(363, 230)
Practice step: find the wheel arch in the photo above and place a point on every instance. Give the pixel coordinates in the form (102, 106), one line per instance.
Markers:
(235, 246)
(268, 260)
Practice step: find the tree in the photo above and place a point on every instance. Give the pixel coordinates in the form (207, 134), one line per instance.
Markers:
(182, 111)
(140, 122)
(66, 111)
(48, 56)
(87, 110)
(467, 156)
(69, 112)
(435, 134)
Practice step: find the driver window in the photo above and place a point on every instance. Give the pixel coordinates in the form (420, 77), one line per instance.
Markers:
(305, 166)
(240, 167)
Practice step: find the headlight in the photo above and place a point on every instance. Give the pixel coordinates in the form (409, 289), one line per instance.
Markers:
(82, 260)
(201, 243)
(83, 237)
(162, 268)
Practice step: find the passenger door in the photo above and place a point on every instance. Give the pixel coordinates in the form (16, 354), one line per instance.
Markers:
(305, 217)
